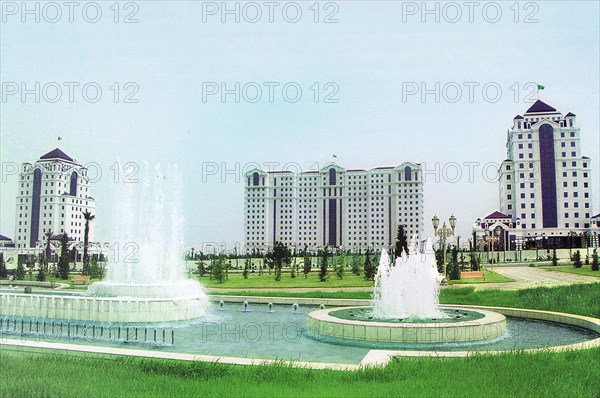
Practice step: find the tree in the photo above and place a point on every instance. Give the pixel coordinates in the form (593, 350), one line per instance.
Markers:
(439, 259)
(279, 255)
(201, 269)
(87, 216)
(218, 268)
(97, 269)
(247, 265)
(47, 251)
(454, 273)
(595, 263)
(63, 261)
(41, 276)
(3, 270)
(401, 242)
(294, 267)
(324, 262)
(340, 266)
(369, 268)
(307, 265)
(577, 260)
(20, 272)
(355, 267)
(474, 261)
(554, 258)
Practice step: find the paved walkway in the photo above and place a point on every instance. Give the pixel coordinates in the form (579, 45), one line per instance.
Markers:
(524, 277)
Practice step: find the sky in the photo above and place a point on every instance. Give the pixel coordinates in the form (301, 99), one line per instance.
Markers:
(288, 85)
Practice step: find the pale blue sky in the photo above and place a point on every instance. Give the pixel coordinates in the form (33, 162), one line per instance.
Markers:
(369, 54)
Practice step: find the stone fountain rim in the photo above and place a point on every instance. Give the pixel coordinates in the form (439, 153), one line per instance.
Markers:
(103, 298)
(490, 317)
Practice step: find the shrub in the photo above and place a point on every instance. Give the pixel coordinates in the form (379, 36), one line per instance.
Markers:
(554, 258)
(20, 272)
(3, 270)
(307, 265)
(454, 273)
(41, 276)
(246, 267)
(369, 268)
(595, 263)
(577, 260)
(324, 262)
(475, 262)
(355, 267)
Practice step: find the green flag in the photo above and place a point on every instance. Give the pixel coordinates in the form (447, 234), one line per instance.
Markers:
(540, 87)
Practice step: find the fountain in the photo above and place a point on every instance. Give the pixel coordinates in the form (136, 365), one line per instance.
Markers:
(146, 280)
(405, 308)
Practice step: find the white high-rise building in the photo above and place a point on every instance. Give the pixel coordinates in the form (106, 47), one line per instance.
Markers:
(351, 209)
(545, 183)
(53, 194)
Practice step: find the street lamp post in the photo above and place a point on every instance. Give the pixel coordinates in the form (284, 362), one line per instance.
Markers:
(489, 240)
(444, 233)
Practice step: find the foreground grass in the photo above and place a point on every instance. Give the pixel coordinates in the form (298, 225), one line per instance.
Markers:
(579, 299)
(518, 374)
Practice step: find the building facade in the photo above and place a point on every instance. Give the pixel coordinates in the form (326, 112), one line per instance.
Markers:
(545, 181)
(349, 209)
(53, 194)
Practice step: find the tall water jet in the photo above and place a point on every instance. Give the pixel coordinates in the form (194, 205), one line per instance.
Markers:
(409, 287)
(147, 261)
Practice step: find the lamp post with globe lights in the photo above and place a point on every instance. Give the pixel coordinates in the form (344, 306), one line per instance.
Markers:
(444, 233)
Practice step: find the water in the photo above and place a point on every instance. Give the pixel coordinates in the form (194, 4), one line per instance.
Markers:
(408, 287)
(147, 257)
(284, 334)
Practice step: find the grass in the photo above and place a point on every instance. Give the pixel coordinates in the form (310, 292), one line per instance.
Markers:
(579, 299)
(266, 281)
(584, 270)
(513, 374)
(489, 277)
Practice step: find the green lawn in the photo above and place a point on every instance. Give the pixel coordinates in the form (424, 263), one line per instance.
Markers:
(584, 270)
(567, 374)
(266, 281)
(580, 299)
(489, 277)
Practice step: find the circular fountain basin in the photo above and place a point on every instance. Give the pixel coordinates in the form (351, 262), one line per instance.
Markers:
(475, 326)
(114, 302)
